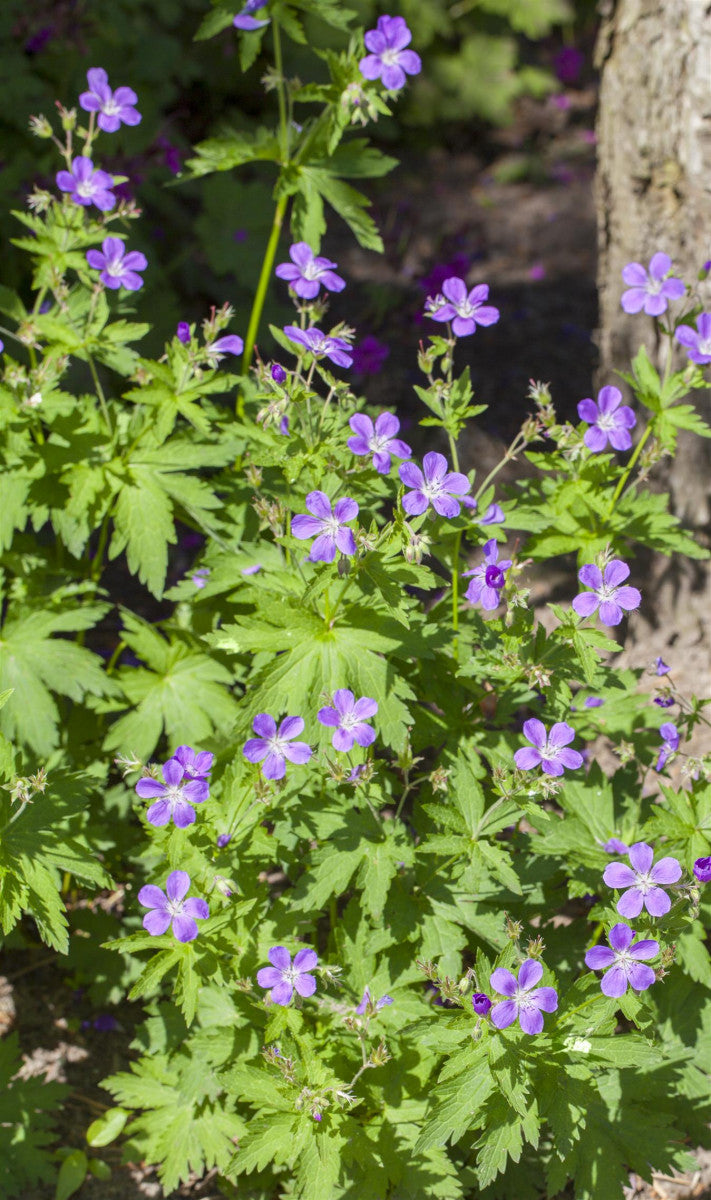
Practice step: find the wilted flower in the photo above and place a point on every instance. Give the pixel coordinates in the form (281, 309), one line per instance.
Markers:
(670, 743)
(375, 1005)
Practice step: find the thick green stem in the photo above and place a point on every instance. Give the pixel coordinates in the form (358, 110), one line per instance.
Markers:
(630, 467)
(260, 295)
(455, 592)
(101, 396)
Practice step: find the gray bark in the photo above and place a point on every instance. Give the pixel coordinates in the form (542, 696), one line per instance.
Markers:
(654, 184)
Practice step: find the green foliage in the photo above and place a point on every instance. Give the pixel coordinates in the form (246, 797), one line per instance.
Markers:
(25, 1124)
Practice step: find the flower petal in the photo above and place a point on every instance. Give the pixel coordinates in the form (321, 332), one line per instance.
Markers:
(530, 974)
(502, 981)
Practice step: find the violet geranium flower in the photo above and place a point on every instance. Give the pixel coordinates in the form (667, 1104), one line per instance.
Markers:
(609, 420)
(607, 594)
(488, 579)
(651, 290)
(465, 309)
(87, 185)
(244, 19)
(117, 268)
(670, 743)
(170, 908)
(621, 962)
(643, 882)
(196, 764)
(112, 107)
(284, 979)
(697, 341)
(327, 525)
(434, 485)
(276, 746)
(320, 345)
(389, 59)
(615, 846)
(549, 750)
(378, 440)
(231, 343)
(661, 667)
(374, 1006)
(702, 870)
(523, 999)
(349, 716)
(481, 1004)
(174, 799)
(308, 271)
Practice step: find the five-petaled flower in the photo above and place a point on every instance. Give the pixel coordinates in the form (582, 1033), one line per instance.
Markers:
(670, 743)
(465, 309)
(621, 962)
(524, 999)
(349, 716)
(196, 764)
(308, 271)
(171, 908)
(379, 440)
(651, 290)
(327, 525)
(371, 1006)
(609, 420)
(320, 345)
(174, 798)
(488, 579)
(702, 870)
(644, 883)
(284, 978)
(435, 485)
(246, 21)
(697, 341)
(549, 750)
(112, 107)
(276, 746)
(87, 185)
(389, 59)
(607, 593)
(118, 269)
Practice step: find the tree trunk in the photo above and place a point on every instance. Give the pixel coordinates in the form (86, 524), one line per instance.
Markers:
(654, 185)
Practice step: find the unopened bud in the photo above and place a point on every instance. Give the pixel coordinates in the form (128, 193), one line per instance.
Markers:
(40, 126)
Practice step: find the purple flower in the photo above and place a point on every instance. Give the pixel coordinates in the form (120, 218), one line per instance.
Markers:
(199, 578)
(662, 668)
(378, 439)
(593, 702)
(369, 356)
(664, 701)
(523, 1002)
(697, 341)
(494, 514)
(368, 1003)
(172, 908)
(702, 870)
(118, 269)
(308, 271)
(568, 63)
(327, 525)
(174, 798)
(650, 291)
(623, 961)
(195, 764)
(349, 716)
(334, 348)
(388, 59)
(437, 486)
(550, 750)
(284, 427)
(607, 420)
(642, 881)
(112, 107)
(244, 19)
(278, 373)
(223, 840)
(274, 746)
(230, 344)
(87, 186)
(464, 309)
(670, 743)
(284, 978)
(615, 846)
(607, 594)
(488, 578)
(183, 333)
(481, 1004)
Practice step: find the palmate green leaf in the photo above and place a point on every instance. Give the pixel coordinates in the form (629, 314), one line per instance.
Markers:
(35, 662)
(26, 1125)
(504, 1137)
(221, 16)
(183, 693)
(143, 527)
(456, 1104)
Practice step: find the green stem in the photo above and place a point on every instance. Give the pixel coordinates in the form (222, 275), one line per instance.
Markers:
(630, 468)
(100, 394)
(510, 453)
(455, 593)
(98, 564)
(260, 295)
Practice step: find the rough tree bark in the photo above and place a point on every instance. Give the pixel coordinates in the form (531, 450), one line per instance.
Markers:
(654, 183)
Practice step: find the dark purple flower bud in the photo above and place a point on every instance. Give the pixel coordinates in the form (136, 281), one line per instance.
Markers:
(593, 702)
(568, 63)
(664, 701)
(481, 1004)
(278, 373)
(284, 427)
(702, 870)
(224, 840)
(45, 306)
(105, 1023)
(317, 1116)
(183, 332)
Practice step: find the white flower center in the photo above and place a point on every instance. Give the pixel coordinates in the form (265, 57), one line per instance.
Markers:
(110, 107)
(644, 882)
(653, 286)
(311, 270)
(378, 443)
(607, 420)
(607, 592)
(85, 188)
(331, 525)
(624, 959)
(276, 744)
(349, 721)
(522, 998)
(173, 795)
(432, 488)
(175, 907)
(465, 308)
(114, 266)
(549, 751)
(704, 347)
(389, 57)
